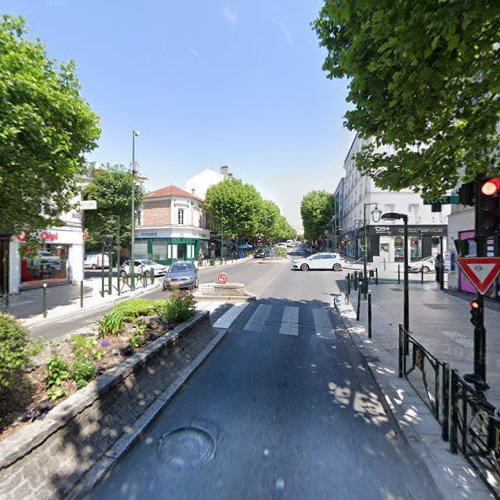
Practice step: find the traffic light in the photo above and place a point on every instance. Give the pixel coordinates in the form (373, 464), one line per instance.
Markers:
(467, 193)
(488, 206)
(475, 313)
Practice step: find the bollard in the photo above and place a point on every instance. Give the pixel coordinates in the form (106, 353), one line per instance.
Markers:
(399, 275)
(369, 314)
(348, 287)
(44, 300)
(384, 265)
(102, 278)
(376, 275)
(6, 301)
(360, 284)
(454, 412)
(421, 274)
(446, 402)
(355, 280)
(81, 293)
(400, 353)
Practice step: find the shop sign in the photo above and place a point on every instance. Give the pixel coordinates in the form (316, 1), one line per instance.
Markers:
(45, 236)
(412, 230)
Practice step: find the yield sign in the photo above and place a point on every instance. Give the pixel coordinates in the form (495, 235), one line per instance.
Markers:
(481, 271)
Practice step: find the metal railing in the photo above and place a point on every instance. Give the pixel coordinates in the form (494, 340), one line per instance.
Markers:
(431, 380)
(475, 430)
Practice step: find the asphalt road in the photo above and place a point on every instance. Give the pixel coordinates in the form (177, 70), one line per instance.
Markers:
(284, 408)
(256, 275)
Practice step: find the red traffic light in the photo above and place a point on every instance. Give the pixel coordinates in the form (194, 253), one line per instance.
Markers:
(474, 304)
(491, 187)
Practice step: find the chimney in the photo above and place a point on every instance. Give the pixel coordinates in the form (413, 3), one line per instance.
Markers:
(224, 170)
(193, 191)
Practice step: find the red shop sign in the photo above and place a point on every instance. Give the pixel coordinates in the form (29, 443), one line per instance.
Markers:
(43, 235)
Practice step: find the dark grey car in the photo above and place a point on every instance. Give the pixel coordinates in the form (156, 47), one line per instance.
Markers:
(181, 275)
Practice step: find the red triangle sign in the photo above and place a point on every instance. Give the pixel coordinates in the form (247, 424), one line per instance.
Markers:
(481, 271)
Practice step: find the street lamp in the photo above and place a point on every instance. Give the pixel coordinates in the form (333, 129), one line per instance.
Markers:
(135, 133)
(406, 310)
(376, 213)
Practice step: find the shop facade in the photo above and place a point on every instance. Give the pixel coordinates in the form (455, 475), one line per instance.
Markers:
(386, 242)
(170, 244)
(55, 258)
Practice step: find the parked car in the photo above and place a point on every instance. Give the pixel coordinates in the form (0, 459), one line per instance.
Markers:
(320, 261)
(282, 245)
(181, 274)
(263, 252)
(141, 265)
(290, 243)
(358, 265)
(94, 261)
(426, 265)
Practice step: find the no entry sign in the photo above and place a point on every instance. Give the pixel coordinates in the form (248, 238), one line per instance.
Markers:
(481, 271)
(222, 278)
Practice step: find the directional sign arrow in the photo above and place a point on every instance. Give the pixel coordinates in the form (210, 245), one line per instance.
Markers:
(481, 271)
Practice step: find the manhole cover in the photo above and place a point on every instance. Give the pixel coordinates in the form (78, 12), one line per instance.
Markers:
(187, 447)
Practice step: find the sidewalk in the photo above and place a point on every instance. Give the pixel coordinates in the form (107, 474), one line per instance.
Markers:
(455, 477)
(64, 300)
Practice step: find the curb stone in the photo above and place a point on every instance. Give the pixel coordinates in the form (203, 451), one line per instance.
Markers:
(453, 475)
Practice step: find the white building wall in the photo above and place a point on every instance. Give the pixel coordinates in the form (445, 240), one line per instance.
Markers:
(202, 181)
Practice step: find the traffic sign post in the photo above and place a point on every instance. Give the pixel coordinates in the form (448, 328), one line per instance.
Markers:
(222, 278)
(482, 272)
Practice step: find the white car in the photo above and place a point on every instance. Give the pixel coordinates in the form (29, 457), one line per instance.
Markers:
(141, 265)
(320, 261)
(426, 265)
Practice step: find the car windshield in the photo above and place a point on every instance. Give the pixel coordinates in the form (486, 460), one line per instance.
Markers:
(178, 268)
(149, 262)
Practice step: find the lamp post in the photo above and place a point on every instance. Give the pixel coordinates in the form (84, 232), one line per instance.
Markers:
(116, 221)
(222, 238)
(406, 305)
(376, 213)
(135, 133)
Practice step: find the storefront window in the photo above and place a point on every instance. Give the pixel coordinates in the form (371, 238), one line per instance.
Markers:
(141, 249)
(399, 249)
(46, 264)
(160, 249)
(415, 249)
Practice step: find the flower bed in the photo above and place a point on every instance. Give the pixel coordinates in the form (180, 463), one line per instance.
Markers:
(34, 378)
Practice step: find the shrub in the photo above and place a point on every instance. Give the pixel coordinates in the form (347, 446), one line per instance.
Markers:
(280, 252)
(82, 372)
(57, 371)
(14, 350)
(111, 323)
(84, 348)
(134, 308)
(179, 308)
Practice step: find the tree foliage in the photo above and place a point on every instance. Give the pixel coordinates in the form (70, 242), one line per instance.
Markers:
(111, 187)
(424, 84)
(317, 210)
(239, 210)
(45, 128)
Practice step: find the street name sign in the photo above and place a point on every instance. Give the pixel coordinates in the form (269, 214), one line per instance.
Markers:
(88, 205)
(444, 200)
(481, 271)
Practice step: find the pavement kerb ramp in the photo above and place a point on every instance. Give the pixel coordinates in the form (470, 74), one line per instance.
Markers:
(453, 475)
(75, 309)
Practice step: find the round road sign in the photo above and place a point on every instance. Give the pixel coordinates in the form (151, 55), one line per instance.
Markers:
(222, 278)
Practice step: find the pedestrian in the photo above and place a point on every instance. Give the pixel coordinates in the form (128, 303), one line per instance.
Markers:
(200, 257)
(439, 267)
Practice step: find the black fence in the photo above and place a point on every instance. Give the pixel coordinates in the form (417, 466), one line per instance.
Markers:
(467, 419)
(141, 280)
(475, 430)
(427, 375)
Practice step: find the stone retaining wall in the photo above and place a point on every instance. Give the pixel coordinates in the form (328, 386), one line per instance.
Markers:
(47, 458)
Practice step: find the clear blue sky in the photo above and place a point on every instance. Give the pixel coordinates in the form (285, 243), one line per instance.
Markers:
(207, 83)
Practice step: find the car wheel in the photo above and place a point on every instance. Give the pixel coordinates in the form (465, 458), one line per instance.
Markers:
(94, 267)
(337, 267)
(197, 283)
(304, 267)
(426, 270)
(164, 287)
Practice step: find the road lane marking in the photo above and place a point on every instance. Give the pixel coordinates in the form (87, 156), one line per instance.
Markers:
(322, 323)
(290, 321)
(258, 319)
(228, 317)
(211, 306)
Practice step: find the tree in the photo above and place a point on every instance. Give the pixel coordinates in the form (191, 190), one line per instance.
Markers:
(45, 128)
(235, 206)
(317, 210)
(268, 217)
(112, 189)
(424, 84)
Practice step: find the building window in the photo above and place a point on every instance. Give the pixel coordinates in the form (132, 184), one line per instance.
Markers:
(180, 216)
(413, 208)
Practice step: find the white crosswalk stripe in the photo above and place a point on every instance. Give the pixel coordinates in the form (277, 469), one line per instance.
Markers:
(258, 318)
(290, 321)
(228, 317)
(209, 306)
(322, 323)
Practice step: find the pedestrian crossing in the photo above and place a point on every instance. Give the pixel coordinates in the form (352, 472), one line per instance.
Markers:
(288, 320)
